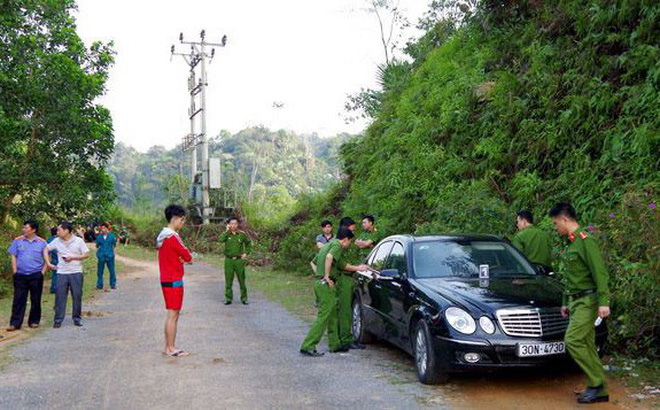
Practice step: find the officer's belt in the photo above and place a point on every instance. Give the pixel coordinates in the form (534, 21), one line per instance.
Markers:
(175, 284)
(581, 294)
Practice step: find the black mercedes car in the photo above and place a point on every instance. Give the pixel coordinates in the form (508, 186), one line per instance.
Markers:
(460, 303)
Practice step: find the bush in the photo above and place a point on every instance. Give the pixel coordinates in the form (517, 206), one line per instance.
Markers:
(631, 243)
(294, 243)
(8, 231)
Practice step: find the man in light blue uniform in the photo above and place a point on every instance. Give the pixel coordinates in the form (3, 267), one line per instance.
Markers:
(105, 253)
(27, 262)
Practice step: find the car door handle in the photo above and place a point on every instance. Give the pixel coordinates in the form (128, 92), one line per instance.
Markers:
(377, 286)
(398, 285)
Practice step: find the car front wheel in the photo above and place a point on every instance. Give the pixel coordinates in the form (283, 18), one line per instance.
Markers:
(425, 360)
(360, 334)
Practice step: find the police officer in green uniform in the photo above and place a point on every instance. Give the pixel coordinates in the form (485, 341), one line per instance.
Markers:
(346, 281)
(369, 236)
(586, 298)
(237, 248)
(532, 241)
(328, 260)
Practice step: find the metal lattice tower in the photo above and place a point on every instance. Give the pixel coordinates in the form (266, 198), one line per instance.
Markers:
(199, 55)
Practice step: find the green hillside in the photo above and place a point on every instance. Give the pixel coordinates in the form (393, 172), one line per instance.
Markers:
(524, 105)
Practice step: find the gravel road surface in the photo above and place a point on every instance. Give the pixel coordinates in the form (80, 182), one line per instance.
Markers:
(241, 357)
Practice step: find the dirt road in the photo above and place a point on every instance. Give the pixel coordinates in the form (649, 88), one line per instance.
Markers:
(241, 357)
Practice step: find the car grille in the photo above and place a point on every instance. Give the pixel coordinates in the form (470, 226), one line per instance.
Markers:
(531, 322)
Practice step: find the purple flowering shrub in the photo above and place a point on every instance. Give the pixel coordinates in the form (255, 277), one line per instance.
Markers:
(630, 240)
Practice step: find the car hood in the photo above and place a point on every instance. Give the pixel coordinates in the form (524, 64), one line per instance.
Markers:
(532, 292)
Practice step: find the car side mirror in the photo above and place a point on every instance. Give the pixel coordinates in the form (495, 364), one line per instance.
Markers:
(389, 274)
(544, 270)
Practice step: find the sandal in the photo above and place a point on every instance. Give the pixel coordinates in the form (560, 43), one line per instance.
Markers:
(178, 353)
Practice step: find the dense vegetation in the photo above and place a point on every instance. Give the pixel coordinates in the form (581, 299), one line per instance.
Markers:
(525, 104)
(54, 139)
(263, 170)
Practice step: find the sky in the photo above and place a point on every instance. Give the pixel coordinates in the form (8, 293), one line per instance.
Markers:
(306, 54)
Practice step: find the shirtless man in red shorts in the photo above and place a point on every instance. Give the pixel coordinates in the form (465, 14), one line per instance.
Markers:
(172, 253)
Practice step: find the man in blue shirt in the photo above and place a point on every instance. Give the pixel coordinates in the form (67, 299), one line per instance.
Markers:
(326, 236)
(28, 256)
(105, 253)
(53, 260)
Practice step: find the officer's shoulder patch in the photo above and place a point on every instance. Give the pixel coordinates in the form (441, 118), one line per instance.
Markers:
(584, 235)
(41, 239)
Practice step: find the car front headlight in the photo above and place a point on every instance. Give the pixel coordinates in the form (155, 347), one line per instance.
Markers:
(460, 320)
(487, 325)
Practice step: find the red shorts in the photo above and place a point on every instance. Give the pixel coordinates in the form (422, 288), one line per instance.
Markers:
(173, 298)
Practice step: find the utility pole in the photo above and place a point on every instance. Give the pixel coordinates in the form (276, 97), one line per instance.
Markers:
(198, 55)
(191, 115)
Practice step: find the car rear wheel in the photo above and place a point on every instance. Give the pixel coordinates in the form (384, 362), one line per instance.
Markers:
(360, 334)
(425, 360)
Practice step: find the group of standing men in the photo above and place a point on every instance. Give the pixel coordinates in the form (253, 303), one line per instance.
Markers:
(586, 295)
(334, 267)
(63, 253)
(586, 291)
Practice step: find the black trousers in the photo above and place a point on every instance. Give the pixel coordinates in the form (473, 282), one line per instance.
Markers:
(32, 283)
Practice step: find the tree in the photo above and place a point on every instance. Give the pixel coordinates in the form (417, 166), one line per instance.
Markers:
(391, 23)
(451, 11)
(177, 189)
(54, 140)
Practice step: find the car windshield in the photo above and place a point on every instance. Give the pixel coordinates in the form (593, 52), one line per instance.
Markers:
(437, 259)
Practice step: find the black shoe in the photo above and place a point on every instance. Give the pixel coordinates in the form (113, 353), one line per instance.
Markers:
(593, 395)
(227, 302)
(356, 346)
(57, 325)
(342, 349)
(311, 353)
(77, 322)
(246, 302)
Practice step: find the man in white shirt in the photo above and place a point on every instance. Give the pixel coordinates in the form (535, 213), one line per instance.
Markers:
(71, 251)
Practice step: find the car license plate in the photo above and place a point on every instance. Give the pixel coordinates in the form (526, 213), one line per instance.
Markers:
(540, 349)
